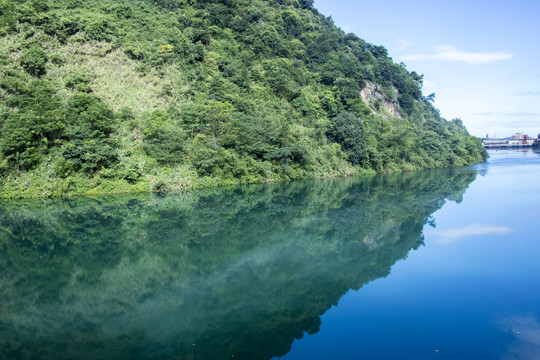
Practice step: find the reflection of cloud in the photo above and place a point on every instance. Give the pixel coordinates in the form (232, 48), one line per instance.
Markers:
(526, 331)
(454, 235)
(450, 53)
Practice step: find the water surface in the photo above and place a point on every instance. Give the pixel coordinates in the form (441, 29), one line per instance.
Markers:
(433, 264)
(473, 290)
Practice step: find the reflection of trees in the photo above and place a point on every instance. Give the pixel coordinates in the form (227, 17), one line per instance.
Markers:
(240, 271)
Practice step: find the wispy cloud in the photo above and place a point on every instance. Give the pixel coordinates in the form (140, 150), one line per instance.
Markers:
(521, 114)
(511, 114)
(450, 53)
(403, 44)
(454, 235)
(429, 84)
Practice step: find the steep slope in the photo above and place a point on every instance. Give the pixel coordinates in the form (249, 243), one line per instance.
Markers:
(122, 96)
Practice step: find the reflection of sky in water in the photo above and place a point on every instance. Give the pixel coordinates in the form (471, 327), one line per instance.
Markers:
(480, 260)
(526, 331)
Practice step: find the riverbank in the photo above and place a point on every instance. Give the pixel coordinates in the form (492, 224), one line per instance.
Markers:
(41, 184)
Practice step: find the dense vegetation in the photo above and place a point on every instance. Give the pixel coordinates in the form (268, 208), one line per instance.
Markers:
(206, 274)
(124, 95)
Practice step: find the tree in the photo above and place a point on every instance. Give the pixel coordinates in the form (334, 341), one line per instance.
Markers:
(217, 120)
(88, 154)
(29, 132)
(163, 140)
(307, 4)
(34, 60)
(92, 115)
(419, 79)
(348, 131)
(406, 101)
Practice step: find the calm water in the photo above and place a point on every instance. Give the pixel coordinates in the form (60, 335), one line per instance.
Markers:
(432, 265)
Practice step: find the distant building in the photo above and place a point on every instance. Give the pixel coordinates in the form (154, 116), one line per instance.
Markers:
(520, 136)
(518, 140)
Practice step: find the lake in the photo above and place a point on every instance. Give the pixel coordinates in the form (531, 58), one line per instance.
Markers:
(439, 264)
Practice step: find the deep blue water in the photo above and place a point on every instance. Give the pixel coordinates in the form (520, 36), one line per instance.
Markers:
(473, 290)
(436, 264)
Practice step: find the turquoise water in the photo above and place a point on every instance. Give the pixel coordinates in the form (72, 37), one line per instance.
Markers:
(430, 265)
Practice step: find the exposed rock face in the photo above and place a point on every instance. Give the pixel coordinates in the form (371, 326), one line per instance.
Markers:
(375, 99)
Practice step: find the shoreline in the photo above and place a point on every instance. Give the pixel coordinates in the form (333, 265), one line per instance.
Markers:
(74, 187)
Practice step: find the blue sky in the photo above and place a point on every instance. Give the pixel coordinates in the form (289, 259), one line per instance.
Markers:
(480, 58)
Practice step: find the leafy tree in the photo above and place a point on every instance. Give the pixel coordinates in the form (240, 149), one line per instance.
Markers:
(166, 144)
(163, 140)
(406, 102)
(34, 60)
(278, 75)
(80, 82)
(295, 154)
(88, 154)
(217, 120)
(307, 4)
(348, 131)
(8, 23)
(90, 145)
(28, 133)
(206, 155)
(94, 117)
(259, 137)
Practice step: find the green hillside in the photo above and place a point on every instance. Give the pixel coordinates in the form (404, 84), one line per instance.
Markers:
(152, 95)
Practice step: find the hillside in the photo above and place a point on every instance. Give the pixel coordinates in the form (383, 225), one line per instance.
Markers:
(151, 95)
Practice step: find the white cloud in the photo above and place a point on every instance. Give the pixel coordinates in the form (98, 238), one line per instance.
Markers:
(454, 235)
(429, 84)
(450, 53)
(510, 114)
(403, 44)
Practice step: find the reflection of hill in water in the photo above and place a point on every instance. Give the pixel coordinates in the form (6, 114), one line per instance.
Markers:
(207, 275)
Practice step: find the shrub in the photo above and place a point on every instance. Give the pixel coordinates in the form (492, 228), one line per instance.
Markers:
(34, 60)
(165, 144)
(348, 131)
(205, 155)
(79, 82)
(88, 154)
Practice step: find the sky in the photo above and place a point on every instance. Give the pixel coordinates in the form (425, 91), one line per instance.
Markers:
(480, 58)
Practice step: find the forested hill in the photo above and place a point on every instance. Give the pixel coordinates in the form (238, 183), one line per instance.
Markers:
(147, 95)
